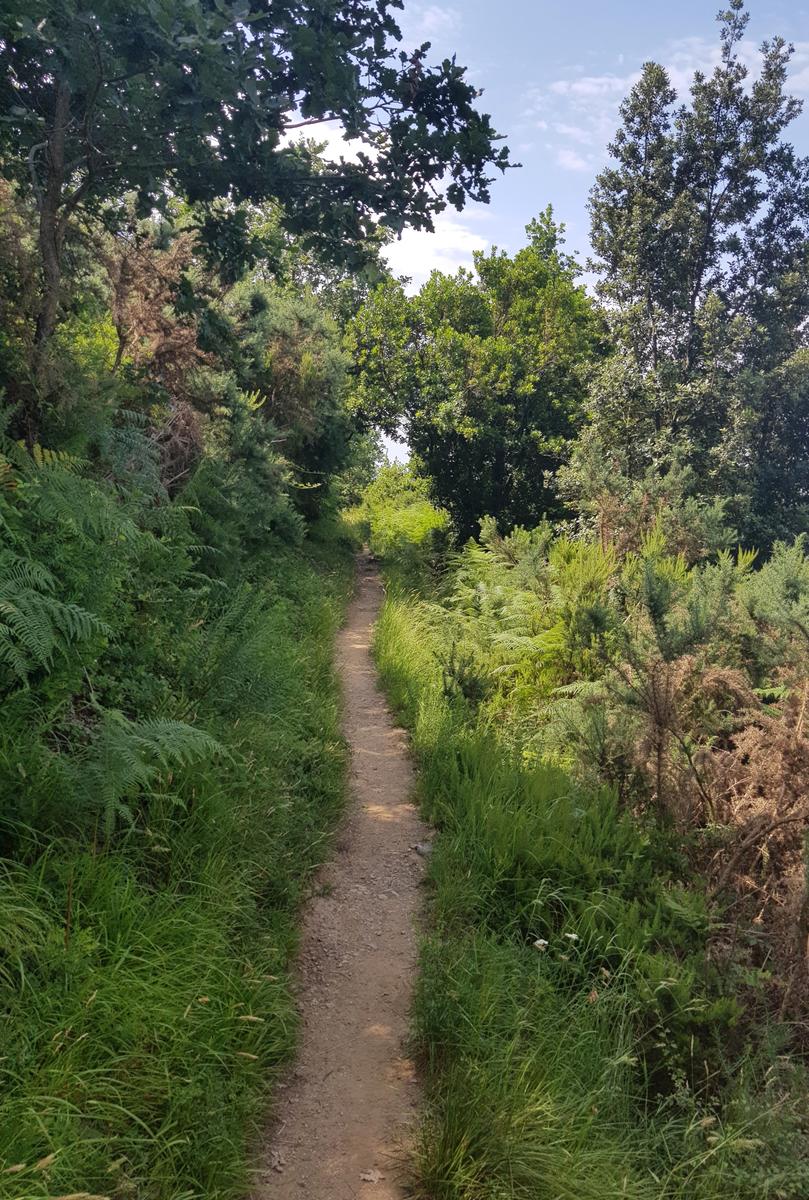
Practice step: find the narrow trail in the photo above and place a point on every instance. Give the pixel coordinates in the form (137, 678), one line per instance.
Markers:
(343, 1117)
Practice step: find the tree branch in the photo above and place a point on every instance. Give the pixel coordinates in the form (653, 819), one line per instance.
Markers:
(32, 153)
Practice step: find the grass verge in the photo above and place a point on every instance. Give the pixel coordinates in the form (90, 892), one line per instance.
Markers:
(576, 1045)
(144, 992)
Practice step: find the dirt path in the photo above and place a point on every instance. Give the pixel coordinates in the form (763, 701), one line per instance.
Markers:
(343, 1117)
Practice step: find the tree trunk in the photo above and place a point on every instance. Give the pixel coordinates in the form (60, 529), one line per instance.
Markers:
(51, 241)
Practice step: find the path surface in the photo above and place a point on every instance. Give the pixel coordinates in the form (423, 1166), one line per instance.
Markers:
(343, 1117)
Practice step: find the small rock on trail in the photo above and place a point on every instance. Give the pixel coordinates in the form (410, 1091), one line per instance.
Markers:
(343, 1121)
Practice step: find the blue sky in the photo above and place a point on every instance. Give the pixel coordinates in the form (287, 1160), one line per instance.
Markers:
(554, 73)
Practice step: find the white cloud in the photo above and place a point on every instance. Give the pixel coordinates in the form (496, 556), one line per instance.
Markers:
(428, 22)
(593, 86)
(581, 110)
(331, 136)
(799, 83)
(571, 160)
(690, 54)
(337, 144)
(576, 133)
(451, 246)
(798, 79)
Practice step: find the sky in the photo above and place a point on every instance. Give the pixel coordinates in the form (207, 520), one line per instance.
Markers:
(554, 73)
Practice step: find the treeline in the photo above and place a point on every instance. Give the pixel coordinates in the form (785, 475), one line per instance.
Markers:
(677, 393)
(176, 271)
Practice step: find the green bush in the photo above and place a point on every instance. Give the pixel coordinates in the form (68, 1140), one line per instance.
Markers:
(403, 527)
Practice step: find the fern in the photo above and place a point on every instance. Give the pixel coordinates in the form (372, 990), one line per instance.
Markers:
(43, 457)
(126, 758)
(54, 486)
(206, 658)
(34, 625)
(580, 689)
(131, 456)
(8, 477)
(67, 499)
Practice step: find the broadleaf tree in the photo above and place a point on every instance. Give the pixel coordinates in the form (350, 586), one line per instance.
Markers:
(485, 374)
(201, 98)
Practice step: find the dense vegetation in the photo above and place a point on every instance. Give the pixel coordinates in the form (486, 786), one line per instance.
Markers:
(160, 836)
(613, 750)
(597, 626)
(607, 685)
(171, 760)
(175, 273)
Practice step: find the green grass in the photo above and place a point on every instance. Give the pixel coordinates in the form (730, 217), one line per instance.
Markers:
(145, 1005)
(575, 1044)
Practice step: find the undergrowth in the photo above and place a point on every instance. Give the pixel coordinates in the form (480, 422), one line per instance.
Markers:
(144, 950)
(576, 1039)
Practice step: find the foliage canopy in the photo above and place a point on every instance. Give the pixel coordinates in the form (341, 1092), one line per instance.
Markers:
(485, 375)
(198, 99)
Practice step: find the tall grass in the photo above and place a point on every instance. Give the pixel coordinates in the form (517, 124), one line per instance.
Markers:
(576, 1043)
(144, 991)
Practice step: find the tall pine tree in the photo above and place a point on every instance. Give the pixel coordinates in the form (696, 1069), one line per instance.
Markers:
(699, 232)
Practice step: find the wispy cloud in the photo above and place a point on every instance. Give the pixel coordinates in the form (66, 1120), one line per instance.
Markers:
(577, 117)
(576, 133)
(571, 160)
(429, 22)
(593, 86)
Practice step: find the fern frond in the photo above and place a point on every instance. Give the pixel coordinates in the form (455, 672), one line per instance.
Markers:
(126, 757)
(582, 687)
(34, 625)
(43, 457)
(10, 653)
(175, 743)
(8, 477)
(22, 572)
(66, 499)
